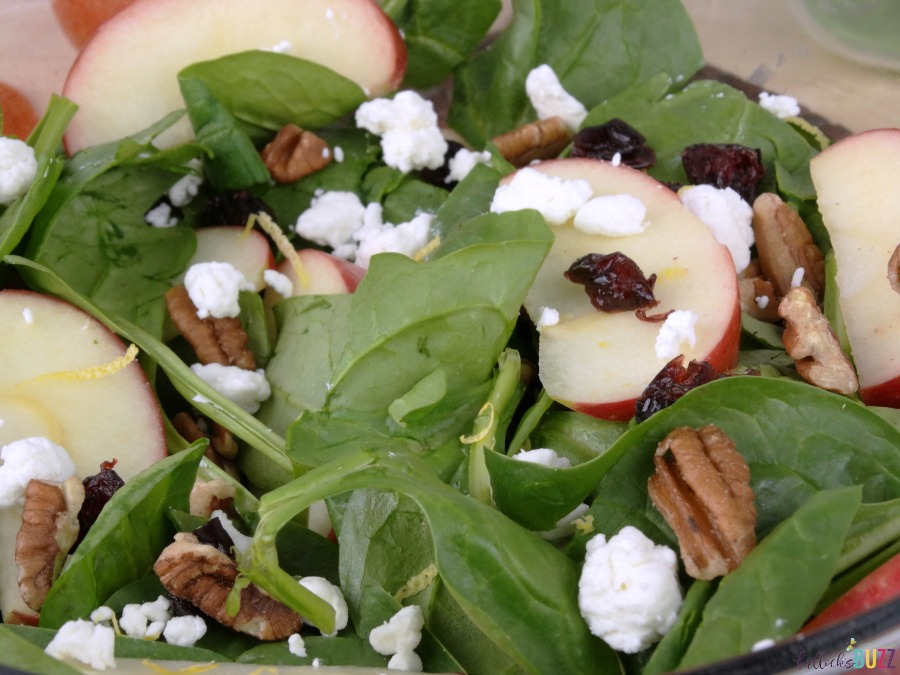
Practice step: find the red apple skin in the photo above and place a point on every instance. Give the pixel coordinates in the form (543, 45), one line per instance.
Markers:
(327, 274)
(19, 117)
(80, 19)
(879, 586)
(886, 394)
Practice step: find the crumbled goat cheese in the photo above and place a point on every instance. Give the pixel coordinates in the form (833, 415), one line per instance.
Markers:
(548, 317)
(89, 643)
(616, 159)
(557, 199)
(331, 219)
(28, 316)
(241, 541)
(246, 388)
(398, 637)
(278, 282)
(565, 526)
(103, 614)
(333, 596)
(35, 457)
(408, 127)
(612, 215)
(376, 236)
(184, 631)
(549, 99)
(338, 154)
(185, 189)
(18, 168)
(797, 277)
(779, 105)
(146, 620)
(676, 329)
(283, 47)
(765, 643)
(214, 288)
(544, 456)
(161, 216)
(762, 301)
(296, 646)
(628, 591)
(727, 215)
(464, 161)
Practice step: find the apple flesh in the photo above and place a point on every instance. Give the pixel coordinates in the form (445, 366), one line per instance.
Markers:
(325, 275)
(95, 420)
(860, 205)
(599, 363)
(248, 251)
(79, 19)
(125, 78)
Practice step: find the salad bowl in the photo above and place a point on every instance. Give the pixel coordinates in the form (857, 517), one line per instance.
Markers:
(742, 53)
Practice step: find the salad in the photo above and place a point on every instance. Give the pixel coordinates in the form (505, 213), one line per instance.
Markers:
(437, 447)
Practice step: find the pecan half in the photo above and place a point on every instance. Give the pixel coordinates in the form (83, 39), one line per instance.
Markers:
(894, 269)
(758, 296)
(49, 529)
(809, 340)
(211, 495)
(543, 139)
(702, 488)
(295, 153)
(214, 340)
(784, 244)
(204, 576)
(222, 448)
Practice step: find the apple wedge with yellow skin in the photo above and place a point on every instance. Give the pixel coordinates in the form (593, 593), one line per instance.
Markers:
(46, 390)
(597, 362)
(125, 78)
(856, 185)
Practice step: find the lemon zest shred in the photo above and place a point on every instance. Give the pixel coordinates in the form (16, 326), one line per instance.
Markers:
(428, 249)
(92, 372)
(484, 433)
(417, 583)
(199, 668)
(585, 525)
(270, 227)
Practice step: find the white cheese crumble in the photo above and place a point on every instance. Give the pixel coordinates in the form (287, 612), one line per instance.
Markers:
(727, 215)
(548, 317)
(28, 316)
(557, 199)
(332, 595)
(676, 329)
(797, 277)
(398, 637)
(278, 282)
(780, 105)
(185, 189)
(146, 620)
(544, 456)
(161, 216)
(376, 236)
(86, 642)
(408, 127)
(762, 301)
(296, 646)
(462, 163)
(184, 631)
(618, 215)
(550, 99)
(283, 47)
(331, 219)
(214, 288)
(241, 541)
(338, 154)
(18, 168)
(247, 388)
(628, 591)
(765, 643)
(35, 457)
(616, 159)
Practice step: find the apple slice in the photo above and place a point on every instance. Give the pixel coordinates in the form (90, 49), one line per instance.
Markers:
(325, 275)
(857, 195)
(248, 251)
(125, 78)
(79, 19)
(18, 115)
(597, 362)
(94, 419)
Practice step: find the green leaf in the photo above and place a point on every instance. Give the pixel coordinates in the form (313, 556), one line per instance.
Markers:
(339, 651)
(772, 594)
(20, 652)
(126, 539)
(670, 650)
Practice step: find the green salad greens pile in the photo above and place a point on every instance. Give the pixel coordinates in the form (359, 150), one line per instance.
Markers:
(401, 404)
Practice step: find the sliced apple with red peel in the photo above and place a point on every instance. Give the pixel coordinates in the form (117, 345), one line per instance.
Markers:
(856, 182)
(125, 78)
(248, 251)
(324, 274)
(46, 390)
(597, 362)
(79, 19)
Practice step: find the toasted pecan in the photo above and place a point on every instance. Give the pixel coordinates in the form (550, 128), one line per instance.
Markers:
(543, 139)
(295, 153)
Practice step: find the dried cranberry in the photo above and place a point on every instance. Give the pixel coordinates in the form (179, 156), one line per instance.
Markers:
(234, 208)
(604, 141)
(213, 534)
(613, 282)
(438, 176)
(98, 490)
(182, 607)
(670, 384)
(725, 165)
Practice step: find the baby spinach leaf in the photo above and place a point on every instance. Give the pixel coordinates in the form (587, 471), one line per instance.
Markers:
(670, 650)
(590, 45)
(341, 650)
(126, 539)
(470, 198)
(772, 593)
(255, 322)
(268, 90)
(22, 647)
(797, 440)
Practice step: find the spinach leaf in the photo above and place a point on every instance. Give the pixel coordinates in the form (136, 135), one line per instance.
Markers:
(439, 35)
(592, 47)
(670, 650)
(267, 90)
(255, 322)
(126, 539)
(772, 593)
(345, 651)
(19, 649)
(470, 198)
(797, 440)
